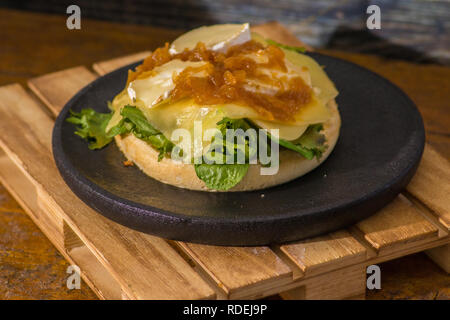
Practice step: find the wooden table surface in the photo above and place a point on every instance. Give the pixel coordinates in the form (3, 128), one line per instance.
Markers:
(34, 44)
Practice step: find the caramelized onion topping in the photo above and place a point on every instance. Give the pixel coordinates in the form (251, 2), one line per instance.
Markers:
(234, 77)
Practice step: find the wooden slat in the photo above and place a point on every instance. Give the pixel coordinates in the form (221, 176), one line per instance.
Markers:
(343, 283)
(107, 66)
(407, 249)
(241, 272)
(56, 88)
(47, 87)
(325, 253)
(397, 224)
(146, 267)
(431, 184)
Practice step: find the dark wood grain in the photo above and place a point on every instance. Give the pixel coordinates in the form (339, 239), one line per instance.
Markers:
(35, 44)
(412, 277)
(31, 268)
(416, 28)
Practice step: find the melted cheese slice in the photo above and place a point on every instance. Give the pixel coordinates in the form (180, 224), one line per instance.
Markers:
(167, 117)
(119, 101)
(311, 113)
(217, 37)
(159, 83)
(182, 114)
(285, 131)
(322, 85)
(319, 79)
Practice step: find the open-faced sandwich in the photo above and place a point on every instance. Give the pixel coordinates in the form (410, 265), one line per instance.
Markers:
(174, 114)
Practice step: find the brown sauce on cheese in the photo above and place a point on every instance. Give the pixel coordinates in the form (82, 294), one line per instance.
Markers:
(226, 76)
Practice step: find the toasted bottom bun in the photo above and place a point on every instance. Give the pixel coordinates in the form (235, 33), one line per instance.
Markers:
(291, 166)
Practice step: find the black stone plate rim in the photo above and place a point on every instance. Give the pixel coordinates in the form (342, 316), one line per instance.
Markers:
(107, 201)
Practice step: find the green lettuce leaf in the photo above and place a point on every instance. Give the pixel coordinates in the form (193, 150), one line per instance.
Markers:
(91, 127)
(221, 176)
(225, 176)
(311, 143)
(235, 148)
(135, 121)
(284, 46)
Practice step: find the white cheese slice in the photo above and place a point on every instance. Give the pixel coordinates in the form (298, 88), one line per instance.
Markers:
(311, 113)
(119, 101)
(217, 37)
(322, 85)
(159, 84)
(285, 131)
(182, 114)
(255, 85)
(319, 79)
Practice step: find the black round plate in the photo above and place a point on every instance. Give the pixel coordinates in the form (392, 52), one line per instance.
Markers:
(379, 148)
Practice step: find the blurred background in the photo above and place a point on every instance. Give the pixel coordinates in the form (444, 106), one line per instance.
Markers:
(415, 30)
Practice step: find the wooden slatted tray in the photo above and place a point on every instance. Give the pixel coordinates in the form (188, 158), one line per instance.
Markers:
(119, 263)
